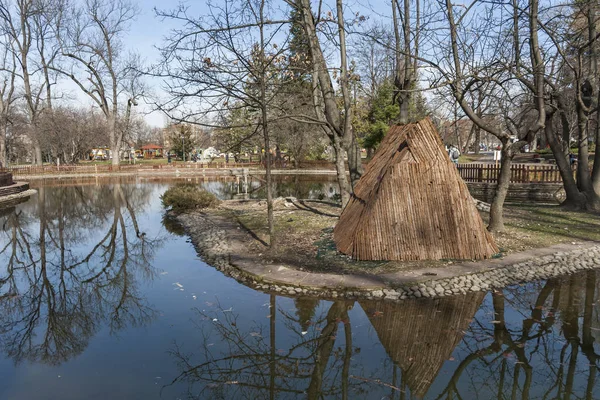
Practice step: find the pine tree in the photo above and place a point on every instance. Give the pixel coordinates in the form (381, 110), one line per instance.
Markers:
(182, 140)
(299, 58)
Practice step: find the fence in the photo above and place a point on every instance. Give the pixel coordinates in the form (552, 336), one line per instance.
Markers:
(520, 173)
(104, 169)
(481, 173)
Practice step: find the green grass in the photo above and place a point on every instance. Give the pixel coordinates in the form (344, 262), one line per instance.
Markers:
(304, 239)
(536, 225)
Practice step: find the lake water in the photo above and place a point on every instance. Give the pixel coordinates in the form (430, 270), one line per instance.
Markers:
(101, 298)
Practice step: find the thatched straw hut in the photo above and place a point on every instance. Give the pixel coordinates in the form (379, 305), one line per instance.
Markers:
(412, 204)
(420, 335)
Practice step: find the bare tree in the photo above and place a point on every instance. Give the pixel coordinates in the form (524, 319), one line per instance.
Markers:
(7, 97)
(68, 133)
(572, 53)
(224, 62)
(490, 69)
(336, 121)
(406, 43)
(23, 21)
(91, 42)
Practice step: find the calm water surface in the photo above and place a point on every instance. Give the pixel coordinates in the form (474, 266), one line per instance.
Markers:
(100, 298)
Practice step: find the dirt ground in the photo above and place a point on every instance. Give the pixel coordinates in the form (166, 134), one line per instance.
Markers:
(304, 230)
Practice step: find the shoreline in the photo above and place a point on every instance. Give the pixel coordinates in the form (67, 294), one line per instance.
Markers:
(221, 243)
(17, 196)
(179, 172)
(541, 193)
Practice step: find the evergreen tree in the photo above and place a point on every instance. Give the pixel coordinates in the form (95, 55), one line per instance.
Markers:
(182, 141)
(299, 58)
(382, 113)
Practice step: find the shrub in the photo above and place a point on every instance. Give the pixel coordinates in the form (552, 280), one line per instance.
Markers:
(184, 198)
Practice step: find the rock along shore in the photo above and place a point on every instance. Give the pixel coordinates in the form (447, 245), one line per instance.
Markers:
(221, 243)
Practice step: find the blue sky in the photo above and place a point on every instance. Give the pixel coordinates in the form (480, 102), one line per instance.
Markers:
(147, 31)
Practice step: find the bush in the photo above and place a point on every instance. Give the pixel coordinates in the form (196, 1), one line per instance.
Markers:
(185, 198)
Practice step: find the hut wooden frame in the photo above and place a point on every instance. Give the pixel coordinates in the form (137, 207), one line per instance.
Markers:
(411, 204)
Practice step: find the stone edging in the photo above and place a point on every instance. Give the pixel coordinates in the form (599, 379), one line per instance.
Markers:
(219, 242)
(14, 188)
(18, 195)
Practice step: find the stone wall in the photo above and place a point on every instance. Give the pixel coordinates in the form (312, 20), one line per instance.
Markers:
(13, 189)
(542, 192)
(6, 179)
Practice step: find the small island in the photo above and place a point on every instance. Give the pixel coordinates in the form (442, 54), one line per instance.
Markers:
(410, 229)
(541, 241)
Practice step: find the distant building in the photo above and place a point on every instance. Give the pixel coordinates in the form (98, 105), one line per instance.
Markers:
(100, 153)
(152, 151)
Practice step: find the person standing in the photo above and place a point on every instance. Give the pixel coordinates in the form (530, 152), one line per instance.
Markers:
(454, 154)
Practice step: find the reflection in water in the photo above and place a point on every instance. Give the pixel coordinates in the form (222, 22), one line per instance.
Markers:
(420, 335)
(531, 341)
(53, 298)
(321, 187)
(248, 363)
(76, 266)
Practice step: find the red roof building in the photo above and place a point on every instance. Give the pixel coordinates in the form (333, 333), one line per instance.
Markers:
(152, 151)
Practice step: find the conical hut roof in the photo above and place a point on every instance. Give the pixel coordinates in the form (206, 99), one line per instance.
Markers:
(420, 335)
(412, 204)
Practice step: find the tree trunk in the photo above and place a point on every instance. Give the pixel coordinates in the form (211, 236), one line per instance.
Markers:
(477, 142)
(265, 127)
(574, 198)
(584, 181)
(465, 148)
(324, 98)
(534, 143)
(347, 132)
(37, 153)
(403, 99)
(340, 167)
(269, 180)
(115, 142)
(596, 168)
(354, 162)
(404, 75)
(3, 154)
(496, 215)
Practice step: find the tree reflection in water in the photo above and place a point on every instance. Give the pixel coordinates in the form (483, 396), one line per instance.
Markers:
(74, 260)
(531, 341)
(249, 364)
(547, 352)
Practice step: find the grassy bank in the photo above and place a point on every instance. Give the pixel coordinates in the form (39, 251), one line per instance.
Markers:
(304, 233)
(530, 226)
